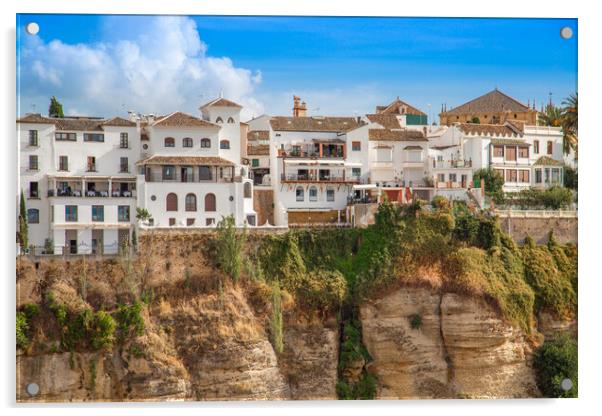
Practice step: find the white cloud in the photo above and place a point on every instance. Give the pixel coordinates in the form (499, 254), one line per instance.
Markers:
(162, 66)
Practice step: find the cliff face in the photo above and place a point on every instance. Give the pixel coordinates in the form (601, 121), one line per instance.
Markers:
(461, 348)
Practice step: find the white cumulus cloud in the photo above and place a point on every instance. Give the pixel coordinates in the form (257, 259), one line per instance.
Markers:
(160, 65)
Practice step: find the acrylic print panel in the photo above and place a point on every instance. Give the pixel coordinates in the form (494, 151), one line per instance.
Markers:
(295, 208)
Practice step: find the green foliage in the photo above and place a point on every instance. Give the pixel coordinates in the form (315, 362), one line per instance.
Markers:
(22, 327)
(353, 350)
(571, 180)
(129, 321)
(103, 330)
(276, 327)
(92, 374)
(56, 108)
(554, 197)
(415, 321)
(477, 230)
(143, 215)
(23, 227)
(475, 120)
(30, 310)
(440, 202)
(323, 290)
(554, 361)
(49, 246)
(493, 181)
(230, 245)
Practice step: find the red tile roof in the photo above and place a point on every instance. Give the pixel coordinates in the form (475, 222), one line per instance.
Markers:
(329, 124)
(492, 130)
(493, 102)
(221, 102)
(399, 107)
(180, 119)
(185, 160)
(396, 135)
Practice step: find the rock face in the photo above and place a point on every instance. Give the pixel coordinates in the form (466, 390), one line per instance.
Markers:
(309, 360)
(550, 326)
(461, 348)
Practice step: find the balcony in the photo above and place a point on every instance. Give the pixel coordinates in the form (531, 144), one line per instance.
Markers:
(293, 177)
(409, 164)
(77, 193)
(189, 177)
(452, 164)
(314, 150)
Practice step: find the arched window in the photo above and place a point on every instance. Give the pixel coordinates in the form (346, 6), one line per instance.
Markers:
(300, 194)
(171, 202)
(205, 143)
(247, 190)
(33, 216)
(313, 194)
(186, 142)
(210, 203)
(230, 120)
(219, 120)
(224, 144)
(170, 142)
(191, 202)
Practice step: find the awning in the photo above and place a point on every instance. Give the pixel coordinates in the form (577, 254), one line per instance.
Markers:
(365, 186)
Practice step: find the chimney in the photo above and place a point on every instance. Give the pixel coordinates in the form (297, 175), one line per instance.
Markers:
(299, 108)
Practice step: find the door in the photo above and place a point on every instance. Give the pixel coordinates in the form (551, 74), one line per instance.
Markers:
(73, 246)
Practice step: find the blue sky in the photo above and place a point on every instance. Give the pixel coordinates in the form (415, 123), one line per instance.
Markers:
(107, 64)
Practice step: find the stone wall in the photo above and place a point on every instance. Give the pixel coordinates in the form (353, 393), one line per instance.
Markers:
(263, 204)
(539, 227)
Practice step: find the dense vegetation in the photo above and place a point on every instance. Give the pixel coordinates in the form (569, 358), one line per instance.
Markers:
(555, 361)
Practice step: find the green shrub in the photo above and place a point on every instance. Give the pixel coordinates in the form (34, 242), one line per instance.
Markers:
(230, 243)
(554, 361)
(30, 310)
(102, 331)
(129, 320)
(323, 290)
(22, 327)
(276, 327)
(440, 202)
(494, 181)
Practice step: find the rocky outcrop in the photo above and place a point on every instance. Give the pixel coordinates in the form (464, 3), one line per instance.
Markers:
(550, 325)
(458, 347)
(309, 361)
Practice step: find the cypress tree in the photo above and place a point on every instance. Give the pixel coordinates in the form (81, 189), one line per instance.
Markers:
(23, 229)
(56, 108)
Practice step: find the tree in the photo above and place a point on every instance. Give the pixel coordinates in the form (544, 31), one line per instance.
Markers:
(56, 108)
(555, 361)
(494, 181)
(552, 116)
(143, 215)
(569, 123)
(23, 227)
(230, 245)
(475, 120)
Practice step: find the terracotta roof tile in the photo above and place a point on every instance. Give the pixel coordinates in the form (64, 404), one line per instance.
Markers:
(185, 160)
(76, 123)
(492, 130)
(221, 102)
(396, 135)
(547, 161)
(119, 122)
(399, 107)
(330, 124)
(509, 141)
(258, 150)
(180, 119)
(492, 102)
(388, 121)
(258, 135)
(35, 118)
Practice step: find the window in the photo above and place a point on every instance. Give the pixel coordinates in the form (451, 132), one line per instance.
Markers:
(550, 144)
(555, 175)
(441, 177)
(300, 194)
(313, 194)
(204, 173)
(224, 144)
(231, 120)
(91, 166)
(330, 195)
(219, 120)
(190, 202)
(33, 138)
(171, 202)
(61, 136)
(33, 216)
(123, 141)
(172, 222)
(356, 172)
(123, 165)
(523, 176)
(536, 146)
(189, 221)
(98, 213)
(452, 177)
(248, 193)
(515, 116)
(33, 162)
(33, 189)
(498, 151)
(187, 174)
(356, 146)
(510, 153)
(71, 213)
(511, 175)
(210, 205)
(205, 143)
(537, 175)
(169, 173)
(63, 163)
(210, 221)
(169, 142)
(523, 152)
(255, 163)
(94, 137)
(547, 175)
(123, 213)
(186, 142)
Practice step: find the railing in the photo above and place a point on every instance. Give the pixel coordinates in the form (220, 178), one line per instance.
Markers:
(317, 178)
(452, 164)
(351, 200)
(77, 193)
(80, 249)
(178, 177)
(534, 213)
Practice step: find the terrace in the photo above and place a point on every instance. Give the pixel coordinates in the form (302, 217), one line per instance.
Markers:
(92, 187)
(314, 149)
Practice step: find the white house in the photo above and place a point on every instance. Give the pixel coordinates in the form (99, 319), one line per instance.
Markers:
(78, 179)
